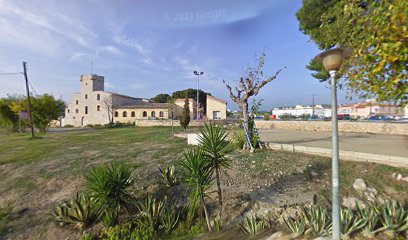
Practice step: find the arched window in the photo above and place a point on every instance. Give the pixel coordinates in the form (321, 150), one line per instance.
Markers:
(133, 114)
(144, 114)
(153, 114)
(116, 114)
(161, 114)
(124, 114)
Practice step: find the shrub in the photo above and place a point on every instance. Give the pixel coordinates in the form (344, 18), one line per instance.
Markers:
(184, 117)
(169, 176)
(150, 212)
(252, 225)
(237, 137)
(68, 126)
(80, 211)
(127, 232)
(109, 184)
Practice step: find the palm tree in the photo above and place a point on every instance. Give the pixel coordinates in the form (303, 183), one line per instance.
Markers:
(198, 175)
(213, 141)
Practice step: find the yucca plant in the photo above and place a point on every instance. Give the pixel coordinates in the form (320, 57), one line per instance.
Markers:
(80, 211)
(109, 185)
(169, 176)
(197, 173)
(213, 141)
(150, 212)
(350, 222)
(109, 216)
(252, 225)
(169, 220)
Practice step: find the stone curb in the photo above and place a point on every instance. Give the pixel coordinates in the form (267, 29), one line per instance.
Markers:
(394, 161)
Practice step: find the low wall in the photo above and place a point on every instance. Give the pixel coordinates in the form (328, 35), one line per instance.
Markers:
(357, 127)
(168, 123)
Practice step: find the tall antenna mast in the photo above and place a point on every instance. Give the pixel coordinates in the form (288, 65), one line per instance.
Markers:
(91, 67)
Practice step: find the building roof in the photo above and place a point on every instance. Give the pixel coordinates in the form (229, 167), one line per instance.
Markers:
(145, 106)
(216, 99)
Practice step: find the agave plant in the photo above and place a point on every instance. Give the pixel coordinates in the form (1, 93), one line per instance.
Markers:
(370, 215)
(80, 211)
(169, 220)
(394, 218)
(169, 176)
(150, 212)
(296, 226)
(350, 222)
(109, 184)
(317, 220)
(213, 141)
(252, 225)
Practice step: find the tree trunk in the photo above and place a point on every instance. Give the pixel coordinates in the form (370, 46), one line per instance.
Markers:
(207, 219)
(244, 106)
(217, 176)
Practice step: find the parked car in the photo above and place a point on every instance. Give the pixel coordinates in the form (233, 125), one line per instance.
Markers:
(380, 118)
(343, 117)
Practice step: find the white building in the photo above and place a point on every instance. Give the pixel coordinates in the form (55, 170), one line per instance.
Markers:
(318, 110)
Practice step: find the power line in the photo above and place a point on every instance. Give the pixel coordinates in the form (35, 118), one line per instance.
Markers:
(12, 73)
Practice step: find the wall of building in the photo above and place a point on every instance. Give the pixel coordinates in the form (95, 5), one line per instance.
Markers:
(139, 114)
(214, 105)
(169, 123)
(356, 127)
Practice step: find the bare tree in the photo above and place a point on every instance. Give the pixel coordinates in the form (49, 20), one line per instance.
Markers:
(252, 80)
(108, 103)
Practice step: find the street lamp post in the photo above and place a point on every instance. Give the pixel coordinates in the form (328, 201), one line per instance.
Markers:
(332, 60)
(197, 73)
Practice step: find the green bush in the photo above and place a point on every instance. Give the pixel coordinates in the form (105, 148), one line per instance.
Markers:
(109, 185)
(80, 211)
(237, 137)
(127, 232)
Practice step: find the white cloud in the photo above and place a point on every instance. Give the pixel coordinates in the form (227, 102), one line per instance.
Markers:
(108, 49)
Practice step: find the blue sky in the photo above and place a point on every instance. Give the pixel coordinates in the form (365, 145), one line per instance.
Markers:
(144, 48)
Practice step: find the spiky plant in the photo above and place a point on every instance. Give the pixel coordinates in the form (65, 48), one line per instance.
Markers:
(217, 224)
(252, 225)
(394, 218)
(370, 214)
(79, 211)
(169, 220)
(213, 141)
(296, 226)
(197, 173)
(169, 176)
(317, 220)
(150, 212)
(109, 185)
(350, 222)
(109, 216)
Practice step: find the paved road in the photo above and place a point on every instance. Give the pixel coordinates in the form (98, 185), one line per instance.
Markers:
(392, 145)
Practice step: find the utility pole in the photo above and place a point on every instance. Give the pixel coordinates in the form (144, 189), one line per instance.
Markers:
(28, 98)
(313, 105)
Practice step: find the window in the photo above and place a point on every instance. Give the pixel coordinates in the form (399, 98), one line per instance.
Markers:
(76, 102)
(144, 114)
(133, 114)
(161, 114)
(116, 114)
(124, 114)
(86, 96)
(86, 109)
(98, 108)
(76, 111)
(67, 110)
(153, 114)
(98, 97)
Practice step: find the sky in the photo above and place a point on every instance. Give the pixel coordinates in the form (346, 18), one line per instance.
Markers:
(144, 48)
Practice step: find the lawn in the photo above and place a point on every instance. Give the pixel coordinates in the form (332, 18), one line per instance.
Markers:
(36, 174)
